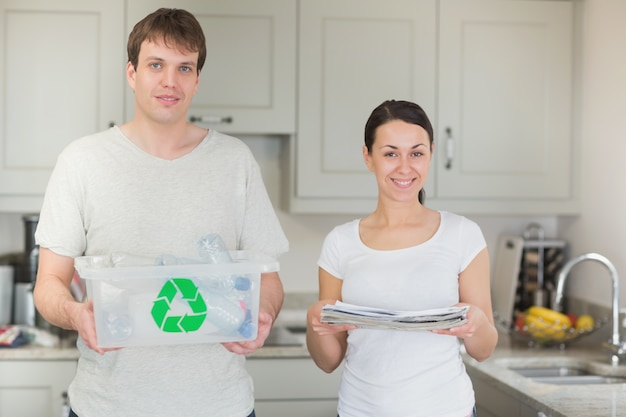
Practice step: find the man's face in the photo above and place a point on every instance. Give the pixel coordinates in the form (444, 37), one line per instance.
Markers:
(164, 82)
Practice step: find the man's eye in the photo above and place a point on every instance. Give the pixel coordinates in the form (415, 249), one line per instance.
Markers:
(185, 69)
(155, 65)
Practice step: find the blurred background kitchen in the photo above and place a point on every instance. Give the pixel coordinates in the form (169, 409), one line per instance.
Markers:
(44, 107)
(528, 100)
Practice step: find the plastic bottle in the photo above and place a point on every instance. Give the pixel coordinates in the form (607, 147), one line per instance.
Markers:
(118, 323)
(168, 259)
(228, 285)
(227, 315)
(213, 250)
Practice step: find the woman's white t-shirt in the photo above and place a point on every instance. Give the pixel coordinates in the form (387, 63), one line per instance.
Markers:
(396, 373)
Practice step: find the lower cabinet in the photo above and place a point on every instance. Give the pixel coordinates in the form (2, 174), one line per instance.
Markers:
(284, 387)
(493, 402)
(34, 388)
(289, 387)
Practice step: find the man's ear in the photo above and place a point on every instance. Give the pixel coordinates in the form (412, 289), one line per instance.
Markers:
(130, 75)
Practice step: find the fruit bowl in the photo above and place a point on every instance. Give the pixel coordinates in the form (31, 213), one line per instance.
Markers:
(540, 332)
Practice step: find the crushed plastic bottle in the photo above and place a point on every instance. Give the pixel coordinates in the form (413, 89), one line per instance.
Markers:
(118, 323)
(168, 259)
(226, 314)
(213, 250)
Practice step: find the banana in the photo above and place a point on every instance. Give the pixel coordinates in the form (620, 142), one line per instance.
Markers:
(543, 329)
(549, 315)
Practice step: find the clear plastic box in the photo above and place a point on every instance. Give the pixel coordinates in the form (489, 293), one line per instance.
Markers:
(175, 304)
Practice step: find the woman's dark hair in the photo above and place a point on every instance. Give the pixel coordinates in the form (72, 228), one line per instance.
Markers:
(397, 110)
(174, 27)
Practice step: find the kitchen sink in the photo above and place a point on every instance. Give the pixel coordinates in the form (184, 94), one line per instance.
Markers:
(297, 329)
(553, 371)
(284, 336)
(577, 372)
(579, 380)
(564, 375)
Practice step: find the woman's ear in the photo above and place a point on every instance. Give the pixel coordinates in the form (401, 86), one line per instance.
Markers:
(367, 158)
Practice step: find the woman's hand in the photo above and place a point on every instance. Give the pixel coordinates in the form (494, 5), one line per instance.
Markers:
(476, 318)
(314, 320)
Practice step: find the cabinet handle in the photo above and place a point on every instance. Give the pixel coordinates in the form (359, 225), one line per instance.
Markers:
(211, 119)
(449, 148)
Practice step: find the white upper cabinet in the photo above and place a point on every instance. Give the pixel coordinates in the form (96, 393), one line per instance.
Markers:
(353, 55)
(247, 84)
(505, 101)
(495, 77)
(61, 77)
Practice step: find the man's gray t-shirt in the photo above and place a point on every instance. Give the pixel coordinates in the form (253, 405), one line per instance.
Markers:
(107, 195)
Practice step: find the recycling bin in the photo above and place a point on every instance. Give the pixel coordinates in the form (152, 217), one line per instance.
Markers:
(175, 304)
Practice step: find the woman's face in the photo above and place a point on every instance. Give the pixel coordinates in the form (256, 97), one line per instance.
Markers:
(400, 159)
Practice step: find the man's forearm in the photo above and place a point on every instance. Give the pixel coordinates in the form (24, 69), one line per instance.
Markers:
(272, 294)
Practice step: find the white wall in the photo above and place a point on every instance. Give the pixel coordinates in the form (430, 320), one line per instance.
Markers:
(601, 227)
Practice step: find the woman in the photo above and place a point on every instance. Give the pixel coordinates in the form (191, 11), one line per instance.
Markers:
(403, 256)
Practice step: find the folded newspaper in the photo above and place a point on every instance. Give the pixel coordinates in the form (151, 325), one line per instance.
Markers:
(377, 318)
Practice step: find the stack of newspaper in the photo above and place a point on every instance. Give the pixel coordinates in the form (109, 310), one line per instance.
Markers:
(377, 318)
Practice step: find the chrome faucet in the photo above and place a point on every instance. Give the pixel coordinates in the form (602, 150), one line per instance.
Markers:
(615, 345)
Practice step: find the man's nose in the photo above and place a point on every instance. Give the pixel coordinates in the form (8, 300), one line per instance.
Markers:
(169, 77)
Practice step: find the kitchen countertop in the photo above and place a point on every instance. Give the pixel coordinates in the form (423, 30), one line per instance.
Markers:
(32, 352)
(602, 400)
(554, 400)
(66, 349)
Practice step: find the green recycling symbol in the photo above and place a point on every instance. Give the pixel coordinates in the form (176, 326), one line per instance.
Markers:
(190, 321)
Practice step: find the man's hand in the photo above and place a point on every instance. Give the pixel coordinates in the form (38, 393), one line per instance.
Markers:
(246, 347)
(83, 321)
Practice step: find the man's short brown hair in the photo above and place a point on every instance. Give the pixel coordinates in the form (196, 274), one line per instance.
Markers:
(176, 28)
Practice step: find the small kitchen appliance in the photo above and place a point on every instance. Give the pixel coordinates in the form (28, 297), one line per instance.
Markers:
(525, 272)
(6, 294)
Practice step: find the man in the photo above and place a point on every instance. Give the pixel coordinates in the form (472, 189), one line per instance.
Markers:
(156, 184)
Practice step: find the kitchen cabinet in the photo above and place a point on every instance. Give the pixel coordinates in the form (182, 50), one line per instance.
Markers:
(60, 78)
(494, 402)
(495, 76)
(34, 388)
(286, 387)
(247, 85)
(505, 102)
(353, 55)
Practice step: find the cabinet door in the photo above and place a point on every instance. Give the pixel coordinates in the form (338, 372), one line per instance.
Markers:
(61, 77)
(490, 401)
(302, 408)
(505, 100)
(291, 378)
(353, 55)
(247, 84)
(34, 388)
(293, 386)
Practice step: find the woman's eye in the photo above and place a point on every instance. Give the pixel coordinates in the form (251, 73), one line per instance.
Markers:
(390, 154)
(417, 154)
